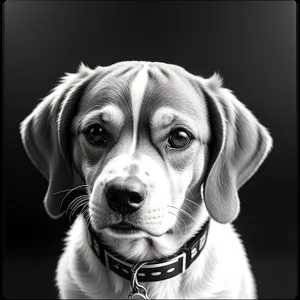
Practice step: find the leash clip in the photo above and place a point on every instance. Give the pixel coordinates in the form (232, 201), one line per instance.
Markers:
(138, 291)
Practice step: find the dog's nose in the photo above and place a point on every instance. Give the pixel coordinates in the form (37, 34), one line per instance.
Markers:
(125, 195)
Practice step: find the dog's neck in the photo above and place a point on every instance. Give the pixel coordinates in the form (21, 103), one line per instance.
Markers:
(153, 270)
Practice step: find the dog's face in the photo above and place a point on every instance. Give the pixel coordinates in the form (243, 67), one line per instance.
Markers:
(140, 144)
(143, 138)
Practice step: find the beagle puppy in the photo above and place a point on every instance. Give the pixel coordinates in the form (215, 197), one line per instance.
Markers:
(158, 155)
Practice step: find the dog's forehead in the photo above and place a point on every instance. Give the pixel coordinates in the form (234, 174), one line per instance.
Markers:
(142, 87)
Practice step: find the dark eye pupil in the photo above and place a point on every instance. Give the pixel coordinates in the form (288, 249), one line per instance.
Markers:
(179, 139)
(96, 135)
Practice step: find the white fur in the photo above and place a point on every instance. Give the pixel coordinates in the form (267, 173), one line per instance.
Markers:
(221, 271)
(137, 92)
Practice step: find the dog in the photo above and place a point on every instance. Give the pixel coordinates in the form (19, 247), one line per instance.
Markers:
(159, 155)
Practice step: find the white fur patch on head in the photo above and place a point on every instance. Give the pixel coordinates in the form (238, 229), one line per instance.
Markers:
(137, 93)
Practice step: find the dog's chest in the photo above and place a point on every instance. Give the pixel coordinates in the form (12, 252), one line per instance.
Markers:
(108, 285)
(218, 273)
(165, 289)
(104, 284)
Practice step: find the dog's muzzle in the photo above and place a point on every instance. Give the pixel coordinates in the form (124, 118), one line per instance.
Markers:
(125, 195)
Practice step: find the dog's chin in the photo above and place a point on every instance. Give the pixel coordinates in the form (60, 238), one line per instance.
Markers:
(131, 233)
(138, 242)
(125, 230)
(139, 245)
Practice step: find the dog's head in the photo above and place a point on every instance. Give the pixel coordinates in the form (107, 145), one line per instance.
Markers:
(144, 138)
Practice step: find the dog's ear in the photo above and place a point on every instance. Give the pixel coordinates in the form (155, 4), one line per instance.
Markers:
(239, 146)
(46, 136)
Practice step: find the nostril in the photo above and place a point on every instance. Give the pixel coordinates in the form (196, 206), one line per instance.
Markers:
(135, 198)
(110, 192)
(134, 186)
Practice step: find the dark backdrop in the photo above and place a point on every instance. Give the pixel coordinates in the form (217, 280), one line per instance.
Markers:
(252, 45)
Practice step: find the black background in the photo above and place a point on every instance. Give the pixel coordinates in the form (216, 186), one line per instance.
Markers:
(252, 45)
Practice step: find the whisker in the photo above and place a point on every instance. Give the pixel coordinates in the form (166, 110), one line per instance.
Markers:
(190, 193)
(85, 213)
(183, 223)
(87, 216)
(75, 201)
(83, 204)
(192, 201)
(177, 227)
(188, 208)
(77, 187)
(183, 211)
(197, 194)
(187, 200)
(85, 207)
(182, 242)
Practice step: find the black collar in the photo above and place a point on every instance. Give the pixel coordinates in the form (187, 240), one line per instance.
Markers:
(155, 270)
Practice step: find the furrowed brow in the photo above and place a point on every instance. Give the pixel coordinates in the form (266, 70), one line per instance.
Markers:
(107, 114)
(165, 117)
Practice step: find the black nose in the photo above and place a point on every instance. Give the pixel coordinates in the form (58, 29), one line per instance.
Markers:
(125, 195)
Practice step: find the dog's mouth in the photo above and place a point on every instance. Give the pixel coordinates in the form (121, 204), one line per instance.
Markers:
(124, 228)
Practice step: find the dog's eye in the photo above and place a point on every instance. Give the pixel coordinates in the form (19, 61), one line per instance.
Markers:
(179, 138)
(96, 134)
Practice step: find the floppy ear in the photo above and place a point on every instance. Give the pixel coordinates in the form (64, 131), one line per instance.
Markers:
(46, 136)
(239, 146)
